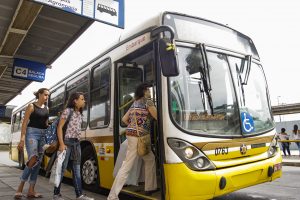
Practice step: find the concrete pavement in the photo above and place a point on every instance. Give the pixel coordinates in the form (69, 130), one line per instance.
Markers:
(293, 160)
(9, 180)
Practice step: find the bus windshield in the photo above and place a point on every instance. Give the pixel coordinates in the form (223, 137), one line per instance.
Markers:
(189, 100)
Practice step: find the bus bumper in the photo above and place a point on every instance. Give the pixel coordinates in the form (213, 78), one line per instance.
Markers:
(183, 183)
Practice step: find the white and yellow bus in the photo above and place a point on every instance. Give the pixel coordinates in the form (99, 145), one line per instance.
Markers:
(215, 132)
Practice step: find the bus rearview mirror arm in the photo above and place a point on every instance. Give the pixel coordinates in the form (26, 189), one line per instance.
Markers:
(167, 55)
(161, 29)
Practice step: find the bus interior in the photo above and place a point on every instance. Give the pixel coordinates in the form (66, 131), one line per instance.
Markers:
(133, 69)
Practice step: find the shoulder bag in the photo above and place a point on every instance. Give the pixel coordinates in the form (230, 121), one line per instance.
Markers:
(143, 145)
(51, 135)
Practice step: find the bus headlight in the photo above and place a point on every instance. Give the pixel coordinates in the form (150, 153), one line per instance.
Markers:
(190, 155)
(200, 162)
(273, 147)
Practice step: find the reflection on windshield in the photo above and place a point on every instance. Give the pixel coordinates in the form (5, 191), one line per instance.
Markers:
(189, 101)
(255, 101)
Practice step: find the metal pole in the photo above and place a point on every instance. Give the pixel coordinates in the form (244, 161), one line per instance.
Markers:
(278, 105)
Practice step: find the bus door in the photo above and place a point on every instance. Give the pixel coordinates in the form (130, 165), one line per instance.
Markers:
(133, 70)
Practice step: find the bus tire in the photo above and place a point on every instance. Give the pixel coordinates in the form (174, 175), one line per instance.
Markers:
(21, 160)
(89, 168)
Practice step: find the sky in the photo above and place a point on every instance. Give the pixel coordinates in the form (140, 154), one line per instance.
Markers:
(273, 25)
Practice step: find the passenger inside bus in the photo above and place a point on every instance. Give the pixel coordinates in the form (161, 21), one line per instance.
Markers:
(138, 124)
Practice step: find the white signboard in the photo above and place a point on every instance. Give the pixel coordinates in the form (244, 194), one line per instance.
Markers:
(106, 11)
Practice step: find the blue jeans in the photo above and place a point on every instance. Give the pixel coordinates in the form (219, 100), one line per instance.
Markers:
(298, 145)
(34, 141)
(73, 147)
(286, 147)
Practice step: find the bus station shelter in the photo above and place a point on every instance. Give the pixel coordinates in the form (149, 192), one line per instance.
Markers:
(34, 32)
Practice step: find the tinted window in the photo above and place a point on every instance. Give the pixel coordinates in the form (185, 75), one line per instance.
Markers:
(56, 102)
(80, 84)
(100, 96)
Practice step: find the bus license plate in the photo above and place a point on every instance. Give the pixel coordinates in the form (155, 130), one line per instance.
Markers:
(277, 167)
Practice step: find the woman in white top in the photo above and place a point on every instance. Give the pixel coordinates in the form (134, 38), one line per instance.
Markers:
(297, 136)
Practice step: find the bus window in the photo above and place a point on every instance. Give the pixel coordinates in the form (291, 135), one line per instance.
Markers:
(16, 124)
(80, 84)
(22, 118)
(252, 96)
(56, 102)
(100, 96)
(189, 101)
(129, 78)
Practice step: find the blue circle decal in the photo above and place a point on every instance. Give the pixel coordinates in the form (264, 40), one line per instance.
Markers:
(247, 122)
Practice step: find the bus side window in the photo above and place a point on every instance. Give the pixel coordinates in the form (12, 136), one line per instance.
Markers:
(56, 102)
(80, 84)
(16, 122)
(21, 119)
(100, 96)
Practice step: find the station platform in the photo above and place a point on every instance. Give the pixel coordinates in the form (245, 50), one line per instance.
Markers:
(9, 180)
(293, 160)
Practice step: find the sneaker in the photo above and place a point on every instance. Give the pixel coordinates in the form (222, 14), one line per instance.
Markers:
(84, 197)
(57, 197)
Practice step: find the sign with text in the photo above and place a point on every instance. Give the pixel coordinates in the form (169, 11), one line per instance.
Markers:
(106, 11)
(29, 70)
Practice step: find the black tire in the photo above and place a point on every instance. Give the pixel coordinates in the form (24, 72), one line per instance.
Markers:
(21, 160)
(89, 169)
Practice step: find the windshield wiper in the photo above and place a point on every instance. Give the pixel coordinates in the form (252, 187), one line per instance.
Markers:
(248, 67)
(197, 62)
(246, 73)
(204, 71)
(240, 82)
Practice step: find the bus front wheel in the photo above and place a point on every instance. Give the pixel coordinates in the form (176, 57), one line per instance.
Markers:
(89, 169)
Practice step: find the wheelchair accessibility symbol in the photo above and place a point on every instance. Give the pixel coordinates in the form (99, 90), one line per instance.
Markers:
(247, 122)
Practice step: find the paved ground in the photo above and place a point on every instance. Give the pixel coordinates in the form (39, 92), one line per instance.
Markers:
(293, 160)
(9, 180)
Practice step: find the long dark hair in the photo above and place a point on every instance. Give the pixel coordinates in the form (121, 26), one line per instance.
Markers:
(71, 100)
(40, 91)
(139, 91)
(295, 128)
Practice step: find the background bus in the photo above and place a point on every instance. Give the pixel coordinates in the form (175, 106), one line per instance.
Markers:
(215, 132)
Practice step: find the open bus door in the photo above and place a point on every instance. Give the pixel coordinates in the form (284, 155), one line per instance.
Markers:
(129, 74)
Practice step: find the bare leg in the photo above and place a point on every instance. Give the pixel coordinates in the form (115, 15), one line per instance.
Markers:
(30, 164)
(21, 186)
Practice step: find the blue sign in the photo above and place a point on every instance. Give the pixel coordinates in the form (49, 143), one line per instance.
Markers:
(106, 11)
(29, 70)
(247, 123)
(2, 111)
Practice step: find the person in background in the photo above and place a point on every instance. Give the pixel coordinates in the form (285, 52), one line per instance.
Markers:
(297, 136)
(71, 143)
(33, 135)
(139, 115)
(285, 145)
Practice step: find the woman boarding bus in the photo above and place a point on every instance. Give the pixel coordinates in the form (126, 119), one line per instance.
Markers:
(214, 128)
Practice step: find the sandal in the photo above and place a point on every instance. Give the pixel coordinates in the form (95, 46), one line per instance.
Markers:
(35, 195)
(18, 195)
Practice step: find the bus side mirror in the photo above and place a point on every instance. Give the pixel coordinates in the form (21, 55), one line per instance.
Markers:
(168, 57)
